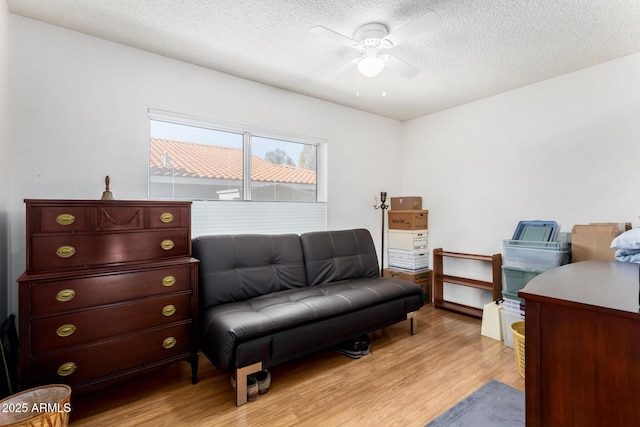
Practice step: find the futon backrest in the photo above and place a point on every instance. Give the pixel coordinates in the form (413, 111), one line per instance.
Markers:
(239, 267)
(330, 256)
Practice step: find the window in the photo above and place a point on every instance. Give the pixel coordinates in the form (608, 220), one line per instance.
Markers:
(195, 160)
(189, 162)
(208, 163)
(282, 170)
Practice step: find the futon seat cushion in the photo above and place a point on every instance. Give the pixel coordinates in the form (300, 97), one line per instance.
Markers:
(229, 324)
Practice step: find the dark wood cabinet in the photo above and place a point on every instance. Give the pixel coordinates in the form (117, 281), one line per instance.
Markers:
(582, 345)
(110, 290)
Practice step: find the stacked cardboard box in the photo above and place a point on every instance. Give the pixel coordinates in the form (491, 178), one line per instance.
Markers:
(408, 234)
(406, 203)
(414, 219)
(423, 278)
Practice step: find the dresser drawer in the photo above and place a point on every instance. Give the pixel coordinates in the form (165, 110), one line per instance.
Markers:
(169, 217)
(111, 357)
(56, 332)
(84, 250)
(61, 219)
(60, 296)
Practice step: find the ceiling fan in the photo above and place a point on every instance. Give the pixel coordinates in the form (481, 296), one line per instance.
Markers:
(372, 41)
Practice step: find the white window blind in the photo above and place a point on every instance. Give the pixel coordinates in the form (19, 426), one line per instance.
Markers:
(245, 217)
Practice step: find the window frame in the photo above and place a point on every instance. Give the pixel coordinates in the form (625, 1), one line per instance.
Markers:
(248, 132)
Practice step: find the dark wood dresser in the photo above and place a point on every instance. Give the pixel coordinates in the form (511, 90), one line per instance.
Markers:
(110, 290)
(582, 346)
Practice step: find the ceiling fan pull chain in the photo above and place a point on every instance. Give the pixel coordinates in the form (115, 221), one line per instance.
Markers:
(384, 83)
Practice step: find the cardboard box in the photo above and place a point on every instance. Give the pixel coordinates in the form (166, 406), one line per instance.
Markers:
(413, 203)
(423, 278)
(593, 241)
(409, 240)
(408, 260)
(408, 220)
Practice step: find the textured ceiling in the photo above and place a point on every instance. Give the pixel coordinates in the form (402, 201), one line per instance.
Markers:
(481, 48)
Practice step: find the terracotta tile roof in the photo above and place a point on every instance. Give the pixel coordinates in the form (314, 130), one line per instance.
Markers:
(188, 159)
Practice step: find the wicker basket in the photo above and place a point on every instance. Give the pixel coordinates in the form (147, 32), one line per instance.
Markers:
(517, 329)
(45, 406)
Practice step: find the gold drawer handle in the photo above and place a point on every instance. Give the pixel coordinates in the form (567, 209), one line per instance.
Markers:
(65, 295)
(166, 217)
(65, 251)
(169, 342)
(66, 330)
(167, 244)
(169, 310)
(67, 369)
(169, 281)
(65, 219)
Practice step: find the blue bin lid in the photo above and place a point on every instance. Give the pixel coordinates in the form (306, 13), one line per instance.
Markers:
(536, 231)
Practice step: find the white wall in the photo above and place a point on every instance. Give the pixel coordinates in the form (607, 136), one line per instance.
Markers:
(565, 149)
(80, 112)
(5, 161)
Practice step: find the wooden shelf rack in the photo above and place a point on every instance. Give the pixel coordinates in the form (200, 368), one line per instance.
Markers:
(494, 286)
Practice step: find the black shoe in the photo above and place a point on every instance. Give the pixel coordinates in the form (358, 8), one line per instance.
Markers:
(365, 344)
(264, 381)
(252, 388)
(350, 349)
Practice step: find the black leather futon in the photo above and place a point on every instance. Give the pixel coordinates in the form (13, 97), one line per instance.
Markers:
(267, 299)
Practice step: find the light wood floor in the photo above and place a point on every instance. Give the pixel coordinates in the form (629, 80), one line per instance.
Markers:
(406, 381)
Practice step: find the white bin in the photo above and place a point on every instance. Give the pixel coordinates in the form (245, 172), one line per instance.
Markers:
(507, 319)
(409, 240)
(408, 260)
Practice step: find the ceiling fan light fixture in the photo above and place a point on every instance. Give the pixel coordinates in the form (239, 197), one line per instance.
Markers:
(371, 65)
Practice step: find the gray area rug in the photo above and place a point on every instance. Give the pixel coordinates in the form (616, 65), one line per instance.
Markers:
(493, 404)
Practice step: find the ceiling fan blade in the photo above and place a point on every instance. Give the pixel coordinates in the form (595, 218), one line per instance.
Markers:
(341, 70)
(399, 66)
(333, 36)
(423, 24)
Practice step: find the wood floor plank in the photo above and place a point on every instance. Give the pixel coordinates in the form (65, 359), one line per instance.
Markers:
(407, 380)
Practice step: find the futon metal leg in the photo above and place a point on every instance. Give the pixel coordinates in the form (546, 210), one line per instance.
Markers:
(241, 381)
(414, 322)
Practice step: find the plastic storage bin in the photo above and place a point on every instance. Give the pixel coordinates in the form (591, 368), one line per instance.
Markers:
(517, 277)
(539, 231)
(535, 255)
(507, 319)
(513, 306)
(511, 295)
